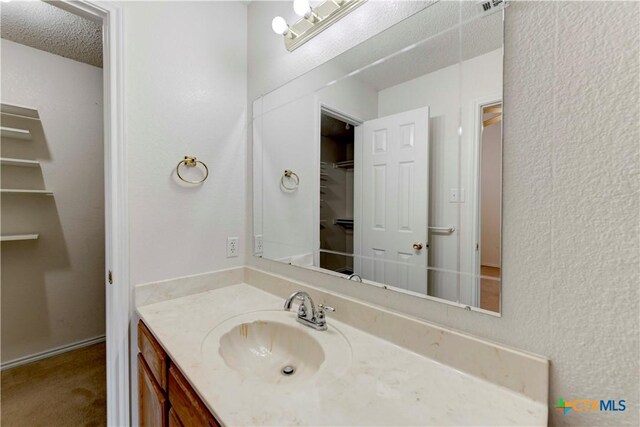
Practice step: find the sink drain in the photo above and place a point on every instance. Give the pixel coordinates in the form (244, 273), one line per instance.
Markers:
(288, 370)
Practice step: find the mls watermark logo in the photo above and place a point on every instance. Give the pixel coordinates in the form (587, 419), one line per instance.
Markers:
(590, 405)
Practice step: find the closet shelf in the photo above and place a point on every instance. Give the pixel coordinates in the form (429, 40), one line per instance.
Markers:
(344, 222)
(19, 110)
(23, 191)
(12, 110)
(12, 133)
(347, 164)
(14, 237)
(19, 162)
(8, 111)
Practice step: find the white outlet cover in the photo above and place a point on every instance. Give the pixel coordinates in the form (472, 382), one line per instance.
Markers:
(232, 247)
(257, 244)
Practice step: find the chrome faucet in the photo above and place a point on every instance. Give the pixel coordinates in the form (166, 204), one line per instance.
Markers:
(355, 277)
(309, 316)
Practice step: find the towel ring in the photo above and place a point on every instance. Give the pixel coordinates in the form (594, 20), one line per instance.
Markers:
(191, 162)
(290, 175)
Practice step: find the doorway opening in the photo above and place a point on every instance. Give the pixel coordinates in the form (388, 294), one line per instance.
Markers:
(489, 242)
(53, 217)
(337, 144)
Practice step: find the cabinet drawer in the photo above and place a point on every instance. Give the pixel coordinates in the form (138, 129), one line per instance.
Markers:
(153, 354)
(186, 403)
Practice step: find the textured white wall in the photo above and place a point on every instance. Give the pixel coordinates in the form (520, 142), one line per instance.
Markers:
(185, 95)
(186, 77)
(571, 191)
(53, 288)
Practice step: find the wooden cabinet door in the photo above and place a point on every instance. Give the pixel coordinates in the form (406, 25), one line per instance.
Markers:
(153, 403)
(174, 421)
(153, 354)
(186, 403)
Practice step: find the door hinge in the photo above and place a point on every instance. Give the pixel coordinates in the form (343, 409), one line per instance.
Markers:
(110, 277)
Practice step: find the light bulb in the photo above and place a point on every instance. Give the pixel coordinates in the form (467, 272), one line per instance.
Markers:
(302, 8)
(279, 26)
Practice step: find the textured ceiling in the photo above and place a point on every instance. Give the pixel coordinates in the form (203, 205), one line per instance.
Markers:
(46, 27)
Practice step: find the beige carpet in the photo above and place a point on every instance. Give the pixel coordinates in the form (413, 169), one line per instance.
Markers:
(64, 390)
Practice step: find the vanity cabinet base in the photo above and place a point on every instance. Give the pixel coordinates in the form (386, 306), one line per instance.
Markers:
(165, 396)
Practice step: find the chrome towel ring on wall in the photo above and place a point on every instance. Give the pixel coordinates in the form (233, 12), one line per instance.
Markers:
(291, 178)
(192, 162)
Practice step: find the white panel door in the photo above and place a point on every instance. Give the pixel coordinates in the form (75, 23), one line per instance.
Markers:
(394, 198)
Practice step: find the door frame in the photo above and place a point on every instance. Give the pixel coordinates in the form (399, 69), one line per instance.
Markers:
(117, 287)
(476, 109)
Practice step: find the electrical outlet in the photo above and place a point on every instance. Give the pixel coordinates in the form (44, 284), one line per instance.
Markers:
(232, 247)
(257, 244)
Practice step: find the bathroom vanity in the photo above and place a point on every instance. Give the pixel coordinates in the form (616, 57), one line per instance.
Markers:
(165, 396)
(232, 355)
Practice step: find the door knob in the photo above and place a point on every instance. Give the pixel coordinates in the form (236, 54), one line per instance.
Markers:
(417, 246)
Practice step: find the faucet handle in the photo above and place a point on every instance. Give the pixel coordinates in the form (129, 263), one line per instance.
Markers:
(326, 307)
(319, 314)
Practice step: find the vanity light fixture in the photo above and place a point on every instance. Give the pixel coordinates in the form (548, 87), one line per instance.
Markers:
(303, 9)
(313, 20)
(280, 26)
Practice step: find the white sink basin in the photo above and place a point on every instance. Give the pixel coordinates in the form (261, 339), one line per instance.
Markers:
(271, 346)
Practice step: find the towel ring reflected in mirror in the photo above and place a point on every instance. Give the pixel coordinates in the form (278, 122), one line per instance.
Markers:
(289, 176)
(192, 162)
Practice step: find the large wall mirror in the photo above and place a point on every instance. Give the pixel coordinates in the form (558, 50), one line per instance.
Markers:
(384, 164)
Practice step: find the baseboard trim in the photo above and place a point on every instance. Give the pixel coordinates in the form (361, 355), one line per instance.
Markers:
(53, 352)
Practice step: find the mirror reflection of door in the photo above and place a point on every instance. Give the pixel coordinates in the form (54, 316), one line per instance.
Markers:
(393, 242)
(489, 246)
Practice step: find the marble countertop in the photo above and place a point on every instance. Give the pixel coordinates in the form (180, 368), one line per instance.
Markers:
(384, 385)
